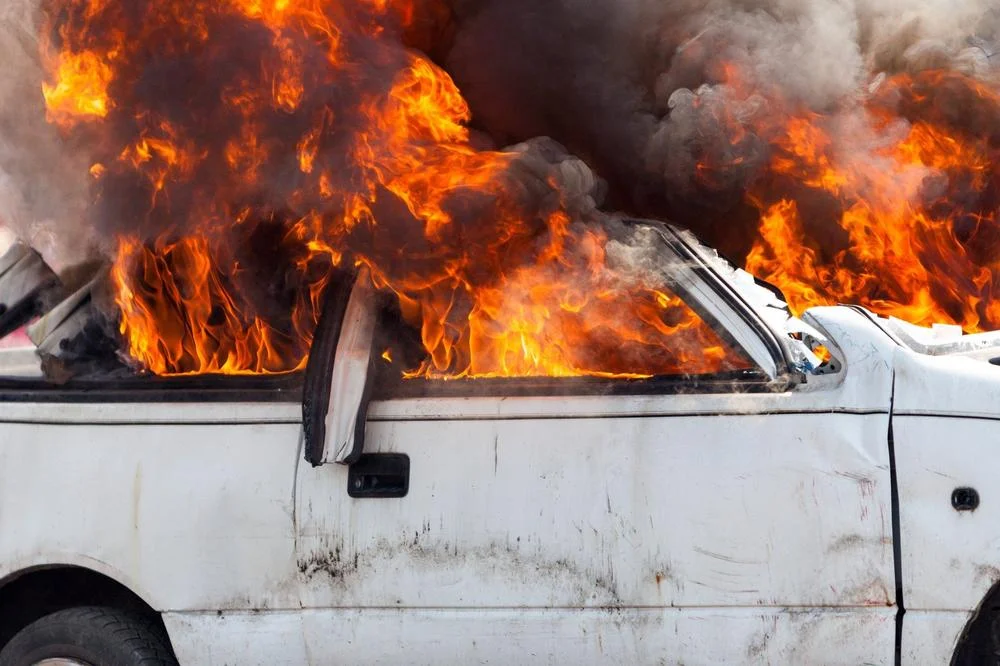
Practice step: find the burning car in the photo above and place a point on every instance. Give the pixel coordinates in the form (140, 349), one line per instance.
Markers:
(816, 492)
(349, 341)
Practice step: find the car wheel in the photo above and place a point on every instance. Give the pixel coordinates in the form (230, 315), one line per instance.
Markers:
(89, 636)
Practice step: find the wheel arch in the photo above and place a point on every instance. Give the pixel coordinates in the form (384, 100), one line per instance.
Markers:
(34, 591)
(980, 638)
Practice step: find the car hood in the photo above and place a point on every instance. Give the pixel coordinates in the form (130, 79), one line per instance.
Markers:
(939, 371)
(942, 340)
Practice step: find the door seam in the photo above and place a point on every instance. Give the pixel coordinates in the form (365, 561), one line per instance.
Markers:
(897, 557)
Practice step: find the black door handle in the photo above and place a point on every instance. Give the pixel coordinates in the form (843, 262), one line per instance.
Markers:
(379, 475)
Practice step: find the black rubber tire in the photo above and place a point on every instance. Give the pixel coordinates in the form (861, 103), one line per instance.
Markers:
(96, 635)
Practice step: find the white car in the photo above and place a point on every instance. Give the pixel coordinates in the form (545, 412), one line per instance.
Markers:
(833, 504)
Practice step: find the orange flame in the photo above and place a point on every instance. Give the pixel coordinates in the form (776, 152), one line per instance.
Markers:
(81, 88)
(915, 215)
(185, 319)
(516, 291)
(567, 314)
(891, 202)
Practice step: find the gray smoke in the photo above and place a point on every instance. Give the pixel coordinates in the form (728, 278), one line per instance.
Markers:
(639, 88)
(634, 87)
(43, 180)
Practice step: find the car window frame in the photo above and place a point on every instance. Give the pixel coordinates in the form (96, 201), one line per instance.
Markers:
(702, 289)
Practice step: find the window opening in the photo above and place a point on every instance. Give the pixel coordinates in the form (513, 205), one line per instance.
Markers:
(657, 341)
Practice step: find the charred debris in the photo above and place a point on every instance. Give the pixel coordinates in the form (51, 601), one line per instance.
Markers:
(64, 315)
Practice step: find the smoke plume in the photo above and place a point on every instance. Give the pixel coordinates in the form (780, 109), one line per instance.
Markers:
(43, 188)
(644, 90)
(634, 87)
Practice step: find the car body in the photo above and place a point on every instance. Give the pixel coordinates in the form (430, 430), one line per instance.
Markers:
(806, 512)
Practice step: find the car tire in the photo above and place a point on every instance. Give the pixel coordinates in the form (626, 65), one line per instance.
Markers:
(979, 643)
(90, 636)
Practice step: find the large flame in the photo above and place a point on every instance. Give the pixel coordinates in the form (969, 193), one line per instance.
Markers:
(862, 207)
(245, 148)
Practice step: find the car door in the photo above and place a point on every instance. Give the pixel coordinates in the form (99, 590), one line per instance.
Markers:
(678, 520)
(945, 426)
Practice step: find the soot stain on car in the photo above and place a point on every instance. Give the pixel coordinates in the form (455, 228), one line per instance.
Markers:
(344, 570)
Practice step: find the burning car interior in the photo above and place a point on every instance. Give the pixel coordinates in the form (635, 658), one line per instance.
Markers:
(230, 161)
(678, 344)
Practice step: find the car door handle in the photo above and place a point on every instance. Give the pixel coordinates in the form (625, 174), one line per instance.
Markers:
(379, 475)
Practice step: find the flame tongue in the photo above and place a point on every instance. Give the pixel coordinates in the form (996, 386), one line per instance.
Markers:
(182, 314)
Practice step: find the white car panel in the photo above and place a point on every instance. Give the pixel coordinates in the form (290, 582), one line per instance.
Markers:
(217, 534)
(765, 504)
(946, 427)
(929, 637)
